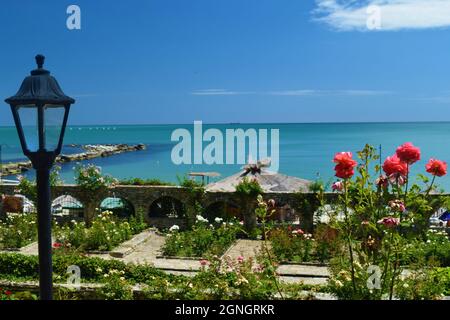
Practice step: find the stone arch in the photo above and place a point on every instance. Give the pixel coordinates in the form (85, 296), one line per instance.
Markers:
(167, 207)
(67, 205)
(121, 207)
(223, 209)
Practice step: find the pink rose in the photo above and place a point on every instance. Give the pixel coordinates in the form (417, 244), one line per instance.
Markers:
(389, 222)
(337, 186)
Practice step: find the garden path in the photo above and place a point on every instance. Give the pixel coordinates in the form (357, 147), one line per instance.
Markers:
(245, 248)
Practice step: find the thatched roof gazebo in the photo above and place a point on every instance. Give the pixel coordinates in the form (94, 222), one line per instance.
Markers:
(269, 181)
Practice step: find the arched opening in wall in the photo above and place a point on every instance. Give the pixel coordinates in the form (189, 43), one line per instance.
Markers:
(224, 210)
(67, 206)
(167, 207)
(120, 207)
(284, 212)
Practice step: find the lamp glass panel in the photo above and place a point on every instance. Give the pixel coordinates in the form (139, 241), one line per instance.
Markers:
(29, 120)
(53, 121)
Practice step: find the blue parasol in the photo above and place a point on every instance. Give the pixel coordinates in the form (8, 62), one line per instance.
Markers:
(445, 216)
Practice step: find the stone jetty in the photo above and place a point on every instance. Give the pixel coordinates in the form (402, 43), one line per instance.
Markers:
(91, 151)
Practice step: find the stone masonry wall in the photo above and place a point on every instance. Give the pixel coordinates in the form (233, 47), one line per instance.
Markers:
(142, 197)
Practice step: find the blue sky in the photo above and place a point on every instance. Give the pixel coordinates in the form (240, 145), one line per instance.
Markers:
(176, 61)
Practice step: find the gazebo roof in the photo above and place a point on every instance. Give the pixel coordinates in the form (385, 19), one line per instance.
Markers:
(269, 181)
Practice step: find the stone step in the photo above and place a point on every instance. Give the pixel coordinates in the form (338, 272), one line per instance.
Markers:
(129, 246)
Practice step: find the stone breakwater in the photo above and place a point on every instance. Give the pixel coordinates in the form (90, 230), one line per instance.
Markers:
(91, 151)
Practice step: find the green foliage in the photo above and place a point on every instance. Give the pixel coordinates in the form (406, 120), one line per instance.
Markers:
(28, 188)
(93, 269)
(196, 192)
(105, 233)
(433, 250)
(444, 275)
(6, 295)
(204, 238)
(424, 284)
(137, 222)
(144, 182)
(291, 244)
(191, 184)
(359, 215)
(116, 287)
(249, 188)
(90, 178)
(18, 230)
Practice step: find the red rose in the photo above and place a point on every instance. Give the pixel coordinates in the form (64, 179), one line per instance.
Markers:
(343, 172)
(408, 153)
(393, 165)
(344, 165)
(436, 167)
(343, 157)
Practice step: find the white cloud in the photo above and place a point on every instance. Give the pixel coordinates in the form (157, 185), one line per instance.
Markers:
(347, 15)
(294, 93)
(363, 92)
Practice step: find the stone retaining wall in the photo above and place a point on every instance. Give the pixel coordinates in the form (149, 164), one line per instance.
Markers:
(142, 197)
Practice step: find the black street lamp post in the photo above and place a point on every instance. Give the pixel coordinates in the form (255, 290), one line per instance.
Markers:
(40, 110)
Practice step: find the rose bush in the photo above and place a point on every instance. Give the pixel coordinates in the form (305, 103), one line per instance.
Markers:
(377, 219)
(90, 178)
(18, 230)
(204, 238)
(105, 233)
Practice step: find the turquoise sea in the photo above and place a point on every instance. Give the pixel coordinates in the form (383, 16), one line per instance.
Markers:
(306, 150)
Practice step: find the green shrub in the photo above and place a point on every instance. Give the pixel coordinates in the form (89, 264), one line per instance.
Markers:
(203, 239)
(18, 230)
(433, 250)
(116, 287)
(291, 244)
(424, 284)
(144, 182)
(105, 233)
(90, 178)
(249, 188)
(93, 269)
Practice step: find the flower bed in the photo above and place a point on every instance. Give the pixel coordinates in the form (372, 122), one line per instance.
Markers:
(105, 233)
(217, 279)
(204, 239)
(292, 244)
(435, 250)
(6, 295)
(18, 230)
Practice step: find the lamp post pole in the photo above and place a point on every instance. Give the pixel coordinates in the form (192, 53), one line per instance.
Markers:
(44, 232)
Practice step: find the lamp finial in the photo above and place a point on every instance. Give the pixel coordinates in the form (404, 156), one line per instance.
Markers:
(40, 61)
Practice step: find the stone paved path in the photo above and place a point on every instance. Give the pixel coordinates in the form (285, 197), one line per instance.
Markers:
(245, 248)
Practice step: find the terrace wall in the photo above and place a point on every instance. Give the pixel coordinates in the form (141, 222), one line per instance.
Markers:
(142, 197)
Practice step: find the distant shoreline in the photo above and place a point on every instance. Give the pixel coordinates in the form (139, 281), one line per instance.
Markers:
(91, 152)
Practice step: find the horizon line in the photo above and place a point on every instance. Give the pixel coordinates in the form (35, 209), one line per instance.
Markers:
(245, 123)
